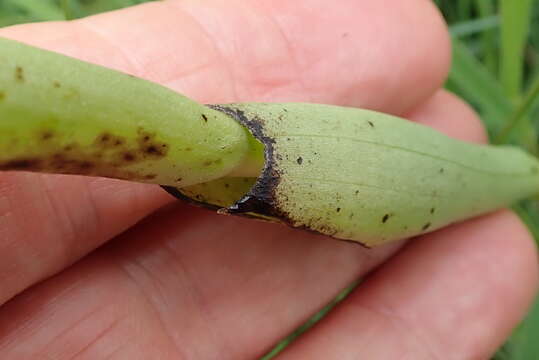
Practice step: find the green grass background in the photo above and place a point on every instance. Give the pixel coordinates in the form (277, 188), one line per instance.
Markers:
(495, 68)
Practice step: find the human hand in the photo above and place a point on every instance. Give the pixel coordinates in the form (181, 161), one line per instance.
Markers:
(186, 283)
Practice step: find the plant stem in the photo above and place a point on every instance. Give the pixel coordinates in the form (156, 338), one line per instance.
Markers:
(520, 114)
(67, 9)
(62, 115)
(515, 28)
(487, 11)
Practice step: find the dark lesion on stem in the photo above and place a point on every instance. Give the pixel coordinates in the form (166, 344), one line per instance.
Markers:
(109, 155)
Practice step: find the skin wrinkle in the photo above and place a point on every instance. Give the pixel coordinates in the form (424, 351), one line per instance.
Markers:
(216, 49)
(150, 304)
(423, 344)
(97, 222)
(116, 352)
(290, 48)
(67, 330)
(100, 335)
(63, 217)
(203, 308)
(251, 79)
(130, 62)
(29, 325)
(29, 263)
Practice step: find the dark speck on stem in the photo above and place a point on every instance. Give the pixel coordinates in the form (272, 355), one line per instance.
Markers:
(19, 74)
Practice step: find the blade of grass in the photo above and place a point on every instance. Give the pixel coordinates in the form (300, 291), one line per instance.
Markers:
(471, 27)
(516, 17)
(486, 9)
(40, 10)
(66, 7)
(520, 114)
(310, 323)
(529, 214)
(464, 9)
(477, 85)
(523, 344)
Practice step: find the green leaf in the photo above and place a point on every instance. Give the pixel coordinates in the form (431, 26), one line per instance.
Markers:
(523, 344)
(520, 115)
(477, 85)
(399, 179)
(39, 10)
(63, 115)
(471, 27)
(473, 82)
(486, 10)
(516, 17)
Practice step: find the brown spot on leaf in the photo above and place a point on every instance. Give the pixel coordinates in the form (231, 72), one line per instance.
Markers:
(46, 135)
(129, 156)
(19, 74)
(107, 156)
(56, 84)
(432, 210)
(149, 146)
(385, 218)
(370, 123)
(104, 138)
(426, 226)
(205, 118)
(150, 176)
(155, 151)
(299, 160)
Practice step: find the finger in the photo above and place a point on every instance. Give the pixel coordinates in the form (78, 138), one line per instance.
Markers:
(47, 222)
(310, 50)
(453, 294)
(211, 280)
(206, 50)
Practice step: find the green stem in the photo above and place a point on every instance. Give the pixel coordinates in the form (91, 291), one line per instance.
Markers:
(65, 116)
(514, 32)
(487, 11)
(67, 9)
(520, 114)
